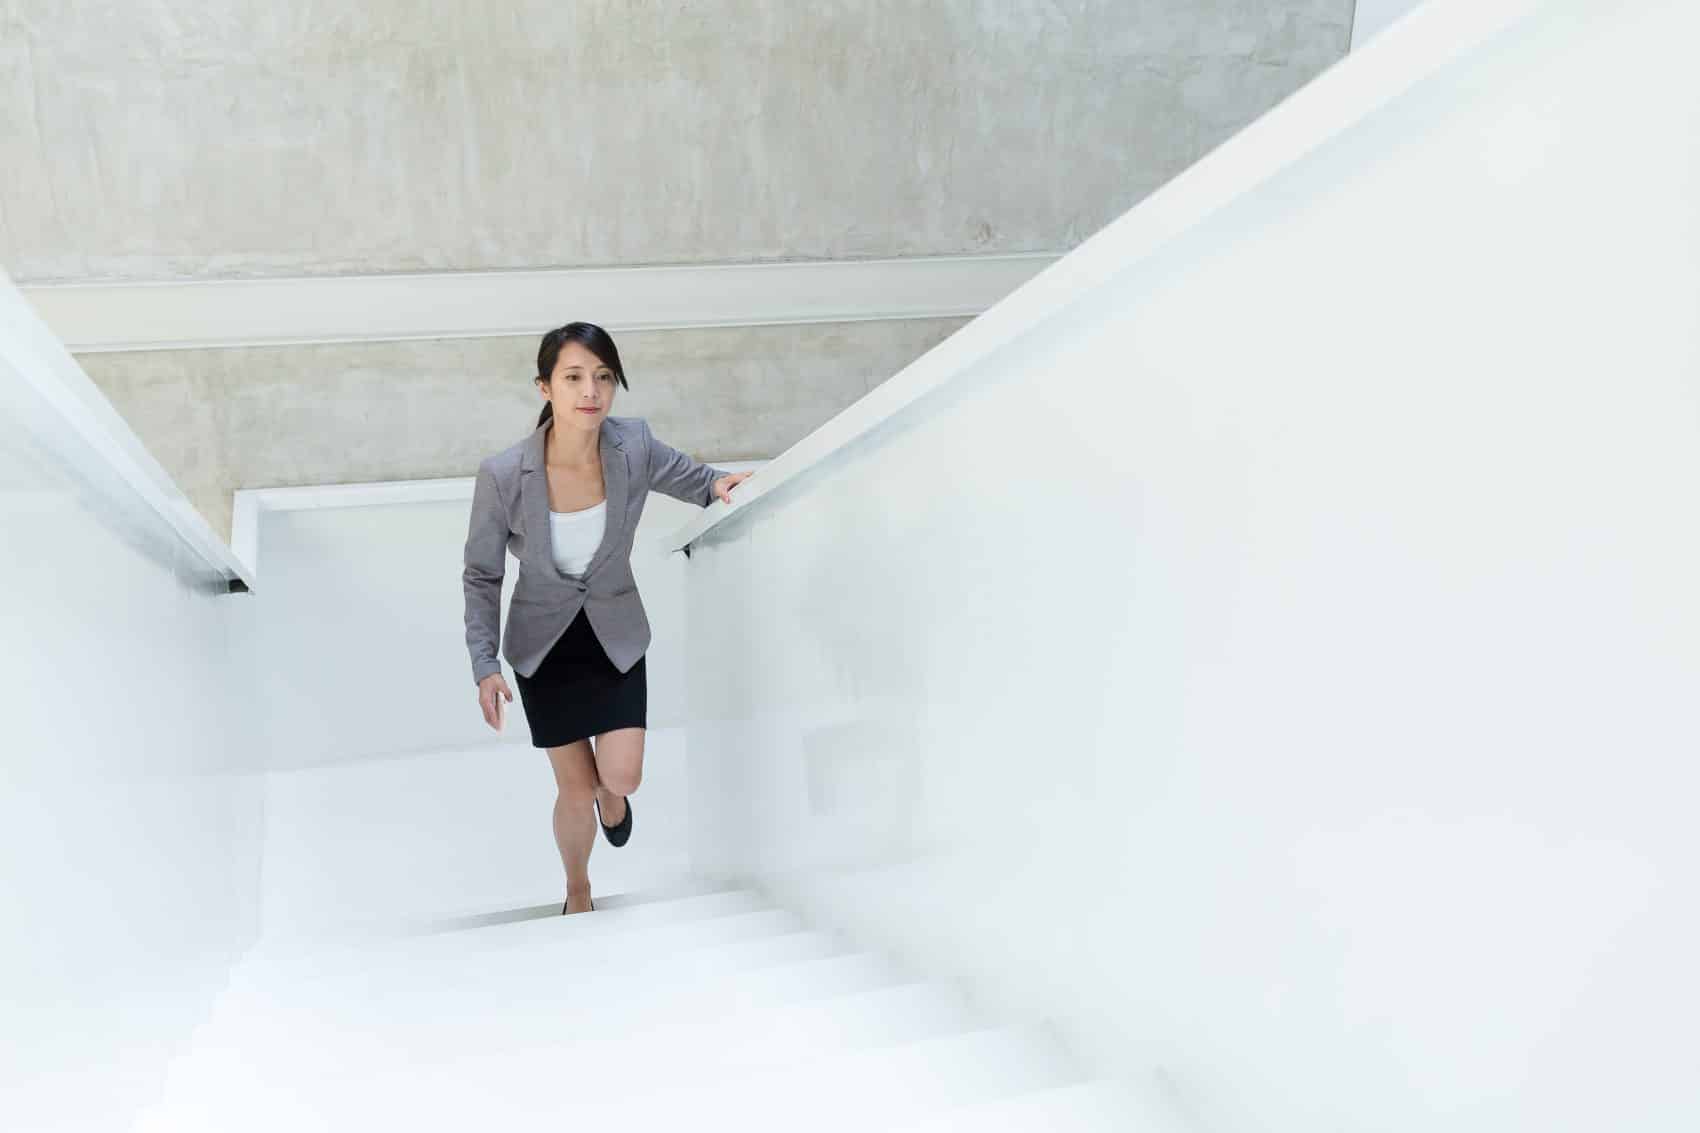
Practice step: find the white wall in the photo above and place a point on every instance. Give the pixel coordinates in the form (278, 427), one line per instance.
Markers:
(129, 814)
(361, 627)
(1280, 666)
(389, 800)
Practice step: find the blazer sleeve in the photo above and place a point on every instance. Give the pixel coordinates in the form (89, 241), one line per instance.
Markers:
(481, 580)
(673, 473)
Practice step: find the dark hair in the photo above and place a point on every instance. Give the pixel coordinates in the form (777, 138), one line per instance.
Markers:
(598, 341)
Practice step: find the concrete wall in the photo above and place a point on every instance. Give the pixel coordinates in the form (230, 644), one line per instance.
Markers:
(262, 417)
(167, 139)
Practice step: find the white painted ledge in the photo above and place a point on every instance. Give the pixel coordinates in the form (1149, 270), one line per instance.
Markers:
(92, 317)
(1414, 47)
(251, 504)
(82, 425)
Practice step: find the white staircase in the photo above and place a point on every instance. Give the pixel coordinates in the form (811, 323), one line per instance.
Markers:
(684, 1008)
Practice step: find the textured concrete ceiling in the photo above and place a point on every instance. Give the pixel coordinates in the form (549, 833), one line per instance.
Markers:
(159, 139)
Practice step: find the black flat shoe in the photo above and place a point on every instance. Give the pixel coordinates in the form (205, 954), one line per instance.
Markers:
(620, 831)
(569, 899)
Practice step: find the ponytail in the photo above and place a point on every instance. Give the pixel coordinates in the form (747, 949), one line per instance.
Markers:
(548, 412)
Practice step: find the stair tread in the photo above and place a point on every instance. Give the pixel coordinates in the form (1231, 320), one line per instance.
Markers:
(635, 915)
(663, 948)
(310, 1034)
(698, 1050)
(864, 1087)
(1096, 1106)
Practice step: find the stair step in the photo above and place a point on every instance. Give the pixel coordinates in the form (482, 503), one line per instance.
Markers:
(1097, 1106)
(613, 917)
(400, 972)
(771, 1038)
(858, 1090)
(546, 986)
(315, 1039)
(680, 1051)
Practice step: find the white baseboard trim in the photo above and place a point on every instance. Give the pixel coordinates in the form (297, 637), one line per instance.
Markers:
(189, 315)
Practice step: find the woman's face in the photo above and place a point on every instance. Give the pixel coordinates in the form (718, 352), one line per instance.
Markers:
(581, 388)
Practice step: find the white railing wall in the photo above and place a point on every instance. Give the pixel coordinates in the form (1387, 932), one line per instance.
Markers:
(129, 825)
(1278, 663)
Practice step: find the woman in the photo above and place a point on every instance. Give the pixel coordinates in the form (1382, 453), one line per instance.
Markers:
(566, 500)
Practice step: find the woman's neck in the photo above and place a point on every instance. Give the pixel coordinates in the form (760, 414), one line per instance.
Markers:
(567, 448)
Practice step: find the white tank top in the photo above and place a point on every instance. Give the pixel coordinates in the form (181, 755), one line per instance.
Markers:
(575, 535)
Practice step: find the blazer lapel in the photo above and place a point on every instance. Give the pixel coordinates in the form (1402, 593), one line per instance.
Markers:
(534, 498)
(614, 485)
(534, 502)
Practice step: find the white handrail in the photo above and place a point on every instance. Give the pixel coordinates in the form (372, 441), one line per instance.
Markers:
(31, 354)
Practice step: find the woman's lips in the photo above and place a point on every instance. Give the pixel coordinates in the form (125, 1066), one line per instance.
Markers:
(583, 410)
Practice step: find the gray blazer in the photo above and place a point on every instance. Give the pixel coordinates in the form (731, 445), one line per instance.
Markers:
(510, 509)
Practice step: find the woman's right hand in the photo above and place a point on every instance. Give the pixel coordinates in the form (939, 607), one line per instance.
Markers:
(491, 691)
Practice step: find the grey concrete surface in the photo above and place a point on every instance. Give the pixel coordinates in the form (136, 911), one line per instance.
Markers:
(161, 139)
(258, 417)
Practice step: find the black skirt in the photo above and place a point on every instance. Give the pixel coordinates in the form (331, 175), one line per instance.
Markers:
(577, 692)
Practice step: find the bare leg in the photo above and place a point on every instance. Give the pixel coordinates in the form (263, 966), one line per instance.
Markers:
(619, 770)
(575, 820)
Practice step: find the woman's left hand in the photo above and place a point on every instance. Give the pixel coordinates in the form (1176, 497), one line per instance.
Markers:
(723, 486)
